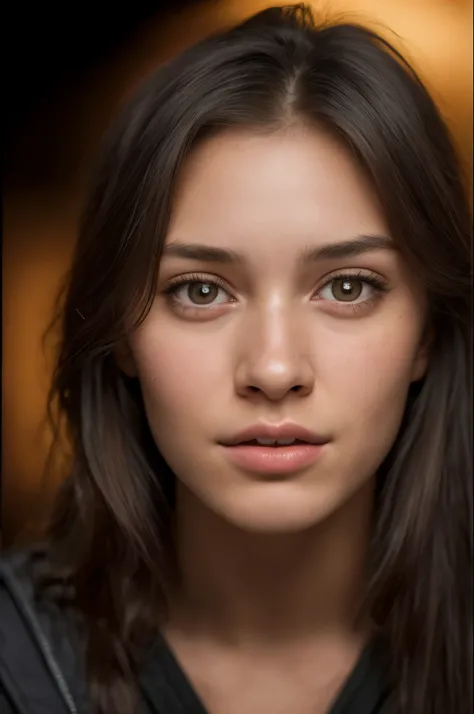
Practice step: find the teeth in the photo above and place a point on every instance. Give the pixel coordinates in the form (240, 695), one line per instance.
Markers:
(271, 442)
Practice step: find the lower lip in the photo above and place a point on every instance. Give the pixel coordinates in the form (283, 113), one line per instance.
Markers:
(274, 459)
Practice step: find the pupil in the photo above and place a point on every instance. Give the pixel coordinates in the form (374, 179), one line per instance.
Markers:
(347, 290)
(202, 293)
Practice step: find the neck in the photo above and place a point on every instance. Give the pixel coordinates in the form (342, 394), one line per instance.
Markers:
(238, 586)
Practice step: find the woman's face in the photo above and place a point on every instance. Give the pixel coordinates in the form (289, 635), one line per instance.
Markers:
(282, 311)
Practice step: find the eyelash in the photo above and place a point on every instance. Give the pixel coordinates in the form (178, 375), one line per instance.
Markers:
(375, 281)
(379, 284)
(175, 283)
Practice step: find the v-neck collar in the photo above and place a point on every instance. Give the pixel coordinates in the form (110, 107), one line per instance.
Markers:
(169, 691)
(166, 685)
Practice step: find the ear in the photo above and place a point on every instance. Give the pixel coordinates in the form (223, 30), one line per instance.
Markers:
(125, 360)
(422, 356)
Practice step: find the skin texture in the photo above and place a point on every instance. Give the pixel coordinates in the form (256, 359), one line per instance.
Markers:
(209, 371)
(272, 568)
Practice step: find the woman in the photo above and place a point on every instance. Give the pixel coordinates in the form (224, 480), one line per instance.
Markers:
(263, 375)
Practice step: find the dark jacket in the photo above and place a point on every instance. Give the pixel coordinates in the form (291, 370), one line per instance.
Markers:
(42, 665)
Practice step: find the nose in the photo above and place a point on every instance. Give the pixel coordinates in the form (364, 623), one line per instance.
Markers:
(274, 361)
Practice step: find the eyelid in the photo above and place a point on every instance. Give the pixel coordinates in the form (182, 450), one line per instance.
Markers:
(195, 278)
(378, 284)
(360, 273)
(173, 285)
(377, 281)
(216, 280)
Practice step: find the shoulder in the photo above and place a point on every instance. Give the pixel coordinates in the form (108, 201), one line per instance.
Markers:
(16, 570)
(18, 587)
(41, 662)
(21, 591)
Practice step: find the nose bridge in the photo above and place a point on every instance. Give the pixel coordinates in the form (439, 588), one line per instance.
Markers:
(278, 332)
(275, 358)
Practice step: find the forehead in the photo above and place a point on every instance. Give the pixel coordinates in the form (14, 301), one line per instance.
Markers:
(244, 187)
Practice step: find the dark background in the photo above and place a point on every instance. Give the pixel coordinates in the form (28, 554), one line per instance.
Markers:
(49, 51)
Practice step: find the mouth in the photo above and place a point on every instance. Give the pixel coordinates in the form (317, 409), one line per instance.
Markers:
(274, 450)
(269, 435)
(271, 442)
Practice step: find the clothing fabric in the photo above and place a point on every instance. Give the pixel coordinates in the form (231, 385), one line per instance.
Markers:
(42, 665)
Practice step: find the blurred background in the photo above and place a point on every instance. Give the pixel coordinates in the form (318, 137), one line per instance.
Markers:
(67, 71)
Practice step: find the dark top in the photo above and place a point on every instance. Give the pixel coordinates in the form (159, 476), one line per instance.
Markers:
(164, 682)
(42, 672)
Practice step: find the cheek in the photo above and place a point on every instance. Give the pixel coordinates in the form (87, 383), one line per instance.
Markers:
(176, 375)
(369, 371)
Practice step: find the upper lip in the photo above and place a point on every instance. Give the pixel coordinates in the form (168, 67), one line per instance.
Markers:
(267, 431)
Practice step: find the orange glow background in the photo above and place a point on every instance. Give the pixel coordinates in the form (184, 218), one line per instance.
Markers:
(41, 215)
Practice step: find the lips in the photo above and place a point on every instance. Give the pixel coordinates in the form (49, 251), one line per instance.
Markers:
(270, 435)
(274, 450)
(271, 442)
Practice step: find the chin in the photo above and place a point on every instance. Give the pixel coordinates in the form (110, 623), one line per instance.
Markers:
(276, 510)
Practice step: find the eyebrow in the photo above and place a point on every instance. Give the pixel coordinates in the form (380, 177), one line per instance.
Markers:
(349, 248)
(342, 249)
(202, 253)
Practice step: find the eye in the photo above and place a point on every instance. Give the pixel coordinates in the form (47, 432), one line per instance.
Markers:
(199, 293)
(349, 288)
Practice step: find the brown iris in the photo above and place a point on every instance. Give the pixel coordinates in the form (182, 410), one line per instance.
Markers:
(346, 289)
(202, 293)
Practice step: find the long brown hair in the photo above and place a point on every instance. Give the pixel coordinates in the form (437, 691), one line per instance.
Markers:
(109, 538)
